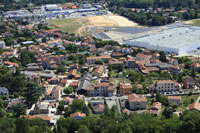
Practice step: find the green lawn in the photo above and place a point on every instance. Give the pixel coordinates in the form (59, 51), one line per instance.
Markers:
(185, 101)
(70, 25)
(196, 23)
(91, 114)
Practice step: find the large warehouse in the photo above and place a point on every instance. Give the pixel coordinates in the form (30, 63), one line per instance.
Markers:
(173, 40)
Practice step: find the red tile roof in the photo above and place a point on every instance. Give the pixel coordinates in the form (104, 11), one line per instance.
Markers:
(77, 114)
(136, 98)
(195, 106)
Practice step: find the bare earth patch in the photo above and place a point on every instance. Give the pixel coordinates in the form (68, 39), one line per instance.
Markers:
(111, 20)
(121, 21)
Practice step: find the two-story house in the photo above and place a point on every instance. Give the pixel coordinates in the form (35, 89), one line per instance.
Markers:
(136, 101)
(163, 86)
(101, 89)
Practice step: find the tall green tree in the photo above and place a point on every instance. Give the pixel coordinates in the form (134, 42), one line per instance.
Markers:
(33, 92)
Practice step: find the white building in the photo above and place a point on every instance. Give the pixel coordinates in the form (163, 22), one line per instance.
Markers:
(163, 86)
(179, 39)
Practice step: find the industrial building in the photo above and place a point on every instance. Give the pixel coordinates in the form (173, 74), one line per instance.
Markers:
(178, 40)
(52, 7)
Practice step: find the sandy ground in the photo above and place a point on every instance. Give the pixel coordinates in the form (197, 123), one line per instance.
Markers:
(101, 21)
(111, 20)
(190, 21)
(121, 21)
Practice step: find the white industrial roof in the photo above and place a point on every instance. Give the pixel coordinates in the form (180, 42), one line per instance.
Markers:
(172, 39)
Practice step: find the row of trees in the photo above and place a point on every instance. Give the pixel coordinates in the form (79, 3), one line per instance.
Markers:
(187, 122)
(154, 3)
(16, 84)
(21, 125)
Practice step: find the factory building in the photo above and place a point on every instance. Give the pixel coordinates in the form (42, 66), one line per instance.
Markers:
(176, 40)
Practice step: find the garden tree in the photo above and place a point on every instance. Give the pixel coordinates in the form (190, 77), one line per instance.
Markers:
(61, 69)
(68, 90)
(168, 112)
(134, 88)
(19, 109)
(2, 113)
(68, 111)
(74, 58)
(44, 39)
(193, 74)
(86, 110)
(26, 58)
(22, 125)
(77, 105)
(99, 62)
(37, 125)
(72, 48)
(162, 99)
(32, 93)
(180, 78)
(190, 122)
(136, 51)
(82, 60)
(163, 57)
(83, 129)
(7, 125)
(174, 106)
(61, 106)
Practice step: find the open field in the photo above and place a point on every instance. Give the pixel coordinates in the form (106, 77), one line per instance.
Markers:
(121, 21)
(195, 22)
(70, 25)
(185, 101)
(82, 25)
(111, 20)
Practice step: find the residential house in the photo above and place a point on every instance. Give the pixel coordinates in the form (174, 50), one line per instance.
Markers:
(56, 93)
(54, 80)
(194, 106)
(99, 70)
(11, 104)
(4, 91)
(92, 60)
(50, 121)
(195, 67)
(45, 108)
(78, 115)
(143, 57)
(74, 84)
(189, 83)
(72, 74)
(173, 61)
(131, 63)
(41, 108)
(174, 99)
(155, 108)
(175, 69)
(136, 101)
(2, 44)
(125, 89)
(34, 67)
(98, 109)
(101, 89)
(156, 56)
(163, 86)
(67, 100)
(63, 82)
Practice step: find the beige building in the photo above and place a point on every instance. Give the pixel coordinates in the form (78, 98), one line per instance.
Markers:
(56, 93)
(137, 102)
(174, 99)
(163, 86)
